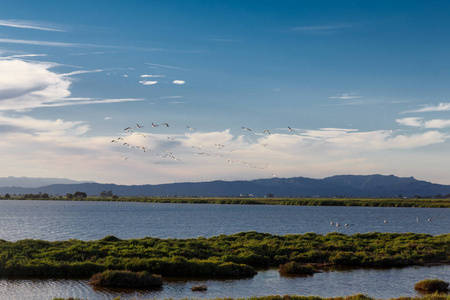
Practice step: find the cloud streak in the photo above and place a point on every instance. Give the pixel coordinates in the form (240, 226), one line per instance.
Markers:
(323, 29)
(166, 66)
(25, 24)
(431, 108)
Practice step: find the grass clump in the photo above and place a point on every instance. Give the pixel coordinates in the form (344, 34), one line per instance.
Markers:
(199, 288)
(296, 268)
(126, 279)
(432, 285)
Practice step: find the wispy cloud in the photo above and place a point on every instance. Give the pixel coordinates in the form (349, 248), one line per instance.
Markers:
(417, 122)
(431, 108)
(81, 72)
(178, 82)
(414, 122)
(151, 76)
(323, 29)
(22, 56)
(148, 82)
(346, 96)
(26, 85)
(25, 24)
(45, 43)
(166, 66)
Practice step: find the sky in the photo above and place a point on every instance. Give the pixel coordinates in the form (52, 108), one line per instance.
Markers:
(150, 92)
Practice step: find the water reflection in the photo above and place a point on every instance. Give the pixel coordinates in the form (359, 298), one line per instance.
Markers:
(378, 283)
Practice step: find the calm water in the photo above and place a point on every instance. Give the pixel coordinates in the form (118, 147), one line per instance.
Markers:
(59, 220)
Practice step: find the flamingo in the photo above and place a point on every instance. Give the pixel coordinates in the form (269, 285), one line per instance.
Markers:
(165, 124)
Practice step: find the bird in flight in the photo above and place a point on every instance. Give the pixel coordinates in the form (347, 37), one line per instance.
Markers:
(268, 131)
(128, 129)
(290, 129)
(139, 126)
(190, 128)
(154, 125)
(165, 124)
(246, 128)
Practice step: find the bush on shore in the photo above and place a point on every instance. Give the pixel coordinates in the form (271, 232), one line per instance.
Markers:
(432, 285)
(126, 279)
(296, 268)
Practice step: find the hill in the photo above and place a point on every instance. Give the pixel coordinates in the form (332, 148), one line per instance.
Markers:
(340, 185)
(34, 182)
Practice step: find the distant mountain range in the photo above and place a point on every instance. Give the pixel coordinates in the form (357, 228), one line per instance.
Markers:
(34, 182)
(341, 185)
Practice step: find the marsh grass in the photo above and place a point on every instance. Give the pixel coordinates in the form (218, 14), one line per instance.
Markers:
(234, 255)
(434, 296)
(432, 285)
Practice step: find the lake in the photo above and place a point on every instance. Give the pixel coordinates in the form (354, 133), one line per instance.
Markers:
(63, 220)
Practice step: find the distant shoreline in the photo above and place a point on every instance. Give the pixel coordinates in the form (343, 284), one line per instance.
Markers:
(365, 202)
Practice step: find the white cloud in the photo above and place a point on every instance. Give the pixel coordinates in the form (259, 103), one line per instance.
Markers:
(26, 85)
(417, 122)
(431, 108)
(345, 96)
(25, 24)
(151, 76)
(437, 123)
(178, 82)
(49, 147)
(148, 82)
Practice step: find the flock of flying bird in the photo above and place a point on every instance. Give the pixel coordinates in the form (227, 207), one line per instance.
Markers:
(168, 154)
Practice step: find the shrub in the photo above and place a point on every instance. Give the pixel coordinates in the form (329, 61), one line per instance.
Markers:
(431, 285)
(296, 268)
(127, 279)
(199, 288)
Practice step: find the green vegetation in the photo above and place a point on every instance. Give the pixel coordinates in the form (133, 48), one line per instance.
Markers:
(219, 256)
(296, 268)
(126, 279)
(381, 202)
(432, 285)
(199, 288)
(435, 296)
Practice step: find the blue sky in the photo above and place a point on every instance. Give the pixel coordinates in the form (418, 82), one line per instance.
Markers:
(363, 85)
